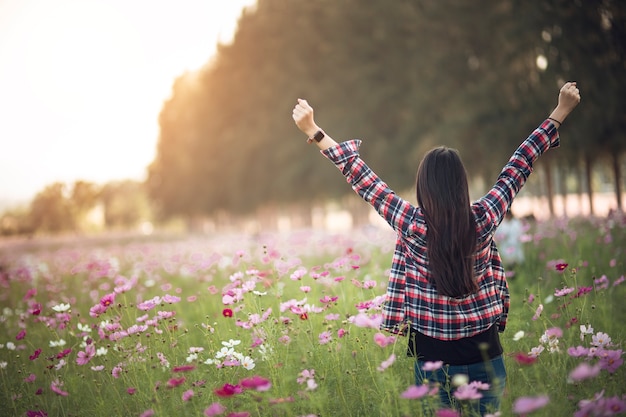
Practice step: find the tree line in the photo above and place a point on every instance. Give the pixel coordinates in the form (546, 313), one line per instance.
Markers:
(404, 76)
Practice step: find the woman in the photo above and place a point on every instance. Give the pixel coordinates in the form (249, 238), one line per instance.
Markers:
(447, 290)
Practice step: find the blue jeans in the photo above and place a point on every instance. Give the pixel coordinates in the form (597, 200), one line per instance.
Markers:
(492, 372)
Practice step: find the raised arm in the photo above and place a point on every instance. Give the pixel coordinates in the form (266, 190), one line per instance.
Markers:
(303, 116)
(569, 97)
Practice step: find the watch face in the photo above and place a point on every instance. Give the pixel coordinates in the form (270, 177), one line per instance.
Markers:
(318, 136)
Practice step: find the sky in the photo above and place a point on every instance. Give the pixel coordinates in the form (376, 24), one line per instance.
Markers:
(82, 83)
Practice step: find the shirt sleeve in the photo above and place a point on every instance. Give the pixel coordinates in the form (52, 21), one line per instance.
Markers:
(517, 170)
(397, 212)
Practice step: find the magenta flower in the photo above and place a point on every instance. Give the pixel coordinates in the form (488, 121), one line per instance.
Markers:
(21, 335)
(228, 390)
(560, 266)
(239, 414)
(35, 355)
(107, 300)
(184, 368)
(30, 294)
(256, 382)
(30, 378)
(36, 413)
(215, 409)
(525, 405)
(175, 382)
(414, 392)
(131, 390)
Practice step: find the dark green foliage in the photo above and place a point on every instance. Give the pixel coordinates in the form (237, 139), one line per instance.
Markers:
(403, 75)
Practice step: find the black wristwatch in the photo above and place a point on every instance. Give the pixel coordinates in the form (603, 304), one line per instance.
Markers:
(318, 136)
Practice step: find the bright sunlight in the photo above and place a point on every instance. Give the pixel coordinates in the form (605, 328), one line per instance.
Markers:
(82, 83)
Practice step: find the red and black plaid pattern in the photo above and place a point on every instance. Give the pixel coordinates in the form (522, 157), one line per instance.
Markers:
(411, 299)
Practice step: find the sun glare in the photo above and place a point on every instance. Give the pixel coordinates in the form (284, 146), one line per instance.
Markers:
(83, 82)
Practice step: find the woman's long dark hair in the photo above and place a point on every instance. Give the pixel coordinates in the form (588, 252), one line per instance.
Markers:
(443, 195)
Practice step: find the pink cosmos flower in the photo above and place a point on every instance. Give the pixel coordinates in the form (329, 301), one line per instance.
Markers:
(97, 310)
(239, 414)
(325, 337)
(415, 391)
(563, 291)
(341, 333)
(382, 340)
(467, 392)
(525, 405)
(116, 371)
(364, 320)
(21, 335)
(601, 339)
(55, 386)
(578, 351)
(447, 412)
(584, 371)
(170, 299)
(149, 304)
(30, 378)
(131, 390)
(30, 294)
(83, 358)
(148, 413)
(214, 409)
(387, 363)
(432, 365)
(36, 413)
(619, 280)
(610, 360)
(538, 312)
(187, 395)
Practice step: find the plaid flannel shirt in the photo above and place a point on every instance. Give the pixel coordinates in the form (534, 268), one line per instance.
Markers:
(411, 298)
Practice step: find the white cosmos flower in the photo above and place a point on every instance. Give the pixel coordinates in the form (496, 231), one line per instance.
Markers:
(519, 335)
(57, 343)
(60, 308)
(231, 343)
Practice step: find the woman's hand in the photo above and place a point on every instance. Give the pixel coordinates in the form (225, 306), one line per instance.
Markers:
(569, 97)
(303, 116)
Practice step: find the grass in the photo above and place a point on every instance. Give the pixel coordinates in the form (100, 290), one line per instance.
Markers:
(264, 326)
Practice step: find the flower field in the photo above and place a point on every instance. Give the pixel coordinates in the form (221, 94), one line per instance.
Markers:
(287, 325)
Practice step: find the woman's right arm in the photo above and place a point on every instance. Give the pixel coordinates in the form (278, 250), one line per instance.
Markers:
(515, 173)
